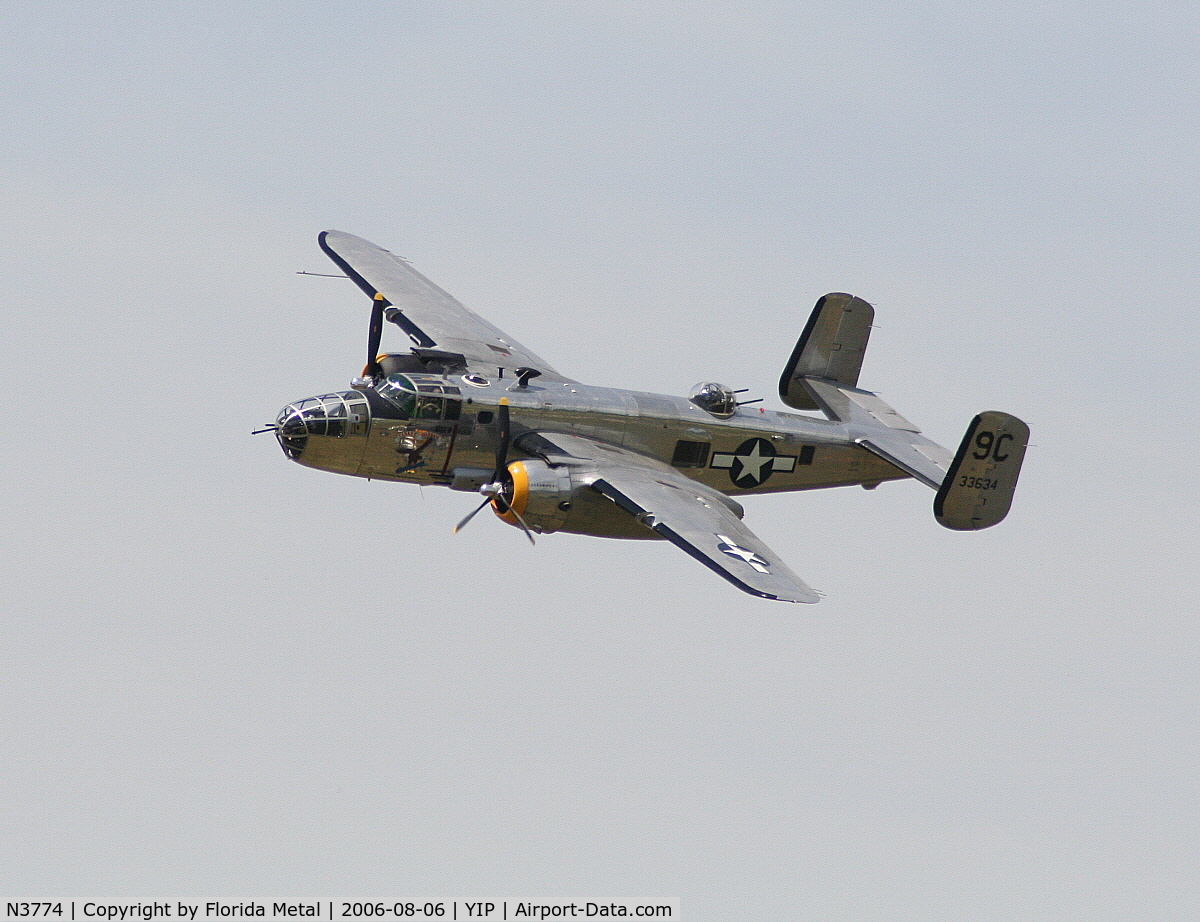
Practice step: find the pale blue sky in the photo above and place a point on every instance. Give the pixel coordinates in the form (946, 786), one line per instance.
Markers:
(226, 674)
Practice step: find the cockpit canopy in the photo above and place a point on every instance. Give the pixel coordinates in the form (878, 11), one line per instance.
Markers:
(337, 415)
(717, 399)
(419, 396)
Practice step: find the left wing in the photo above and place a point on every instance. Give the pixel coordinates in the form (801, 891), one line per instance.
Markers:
(431, 318)
(703, 522)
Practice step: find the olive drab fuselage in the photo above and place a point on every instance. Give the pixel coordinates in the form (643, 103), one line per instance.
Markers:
(433, 429)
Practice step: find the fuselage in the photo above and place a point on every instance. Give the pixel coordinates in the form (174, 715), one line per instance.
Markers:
(435, 429)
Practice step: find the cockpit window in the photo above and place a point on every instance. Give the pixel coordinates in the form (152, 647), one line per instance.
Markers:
(426, 397)
(400, 392)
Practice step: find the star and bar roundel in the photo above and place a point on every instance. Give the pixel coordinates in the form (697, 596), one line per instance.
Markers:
(752, 463)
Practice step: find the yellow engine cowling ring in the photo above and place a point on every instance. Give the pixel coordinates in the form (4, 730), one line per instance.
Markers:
(541, 495)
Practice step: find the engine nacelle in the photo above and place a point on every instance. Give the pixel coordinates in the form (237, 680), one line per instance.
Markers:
(559, 499)
(541, 495)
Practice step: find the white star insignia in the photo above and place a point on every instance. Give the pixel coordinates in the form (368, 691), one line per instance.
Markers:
(753, 463)
(728, 546)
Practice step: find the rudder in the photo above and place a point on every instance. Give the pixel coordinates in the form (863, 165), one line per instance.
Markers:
(978, 489)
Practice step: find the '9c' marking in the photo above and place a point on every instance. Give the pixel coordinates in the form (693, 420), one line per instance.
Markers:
(989, 446)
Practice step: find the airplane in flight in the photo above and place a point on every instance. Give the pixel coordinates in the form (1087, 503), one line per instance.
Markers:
(470, 408)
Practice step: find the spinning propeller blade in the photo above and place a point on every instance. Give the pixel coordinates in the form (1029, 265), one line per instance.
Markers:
(470, 515)
(502, 442)
(521, 522)
(499, 490)
(374, 335)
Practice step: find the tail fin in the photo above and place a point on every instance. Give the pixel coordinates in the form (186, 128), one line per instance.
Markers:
(831, 348)
(975, 489)
(978, 489)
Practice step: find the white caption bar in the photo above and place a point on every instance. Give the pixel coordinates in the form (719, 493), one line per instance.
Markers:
(356, 910)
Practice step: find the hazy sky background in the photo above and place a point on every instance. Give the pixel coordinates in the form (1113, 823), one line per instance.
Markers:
(227, 676)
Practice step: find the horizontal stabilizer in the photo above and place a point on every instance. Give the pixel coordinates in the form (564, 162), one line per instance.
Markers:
(881, 430)
(978, 488)
(831, 348)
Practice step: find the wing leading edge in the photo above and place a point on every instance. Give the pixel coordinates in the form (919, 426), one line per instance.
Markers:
(431, 317)
(702, 522)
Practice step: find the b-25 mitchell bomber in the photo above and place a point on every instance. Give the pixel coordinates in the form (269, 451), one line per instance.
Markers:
(470, 408)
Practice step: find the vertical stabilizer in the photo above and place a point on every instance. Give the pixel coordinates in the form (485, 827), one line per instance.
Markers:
(978, 488)
(830, 348)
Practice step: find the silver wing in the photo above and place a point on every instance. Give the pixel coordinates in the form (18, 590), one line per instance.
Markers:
(703, 522)
(431, 317)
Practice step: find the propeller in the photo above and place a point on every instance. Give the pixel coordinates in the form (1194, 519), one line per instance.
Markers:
(499, 490)
(374, 335)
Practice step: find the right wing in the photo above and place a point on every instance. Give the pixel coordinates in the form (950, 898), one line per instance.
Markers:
(701, 521)
(431, 318)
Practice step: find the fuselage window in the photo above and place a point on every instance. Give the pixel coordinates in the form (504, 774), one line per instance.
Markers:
(335, 410)
(690, 454)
